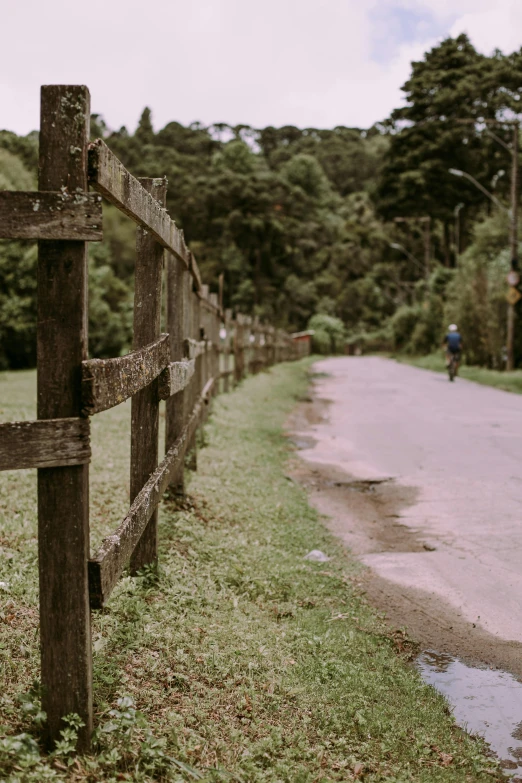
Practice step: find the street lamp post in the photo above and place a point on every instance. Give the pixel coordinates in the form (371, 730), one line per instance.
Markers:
(427, 236)
(426, 219)
(513, 221)
(494, 199)
(514, 248)
(456, 212)
(513, 215)
(514, 198)
(396, 246)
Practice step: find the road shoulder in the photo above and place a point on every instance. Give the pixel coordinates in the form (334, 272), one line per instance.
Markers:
(365, 515)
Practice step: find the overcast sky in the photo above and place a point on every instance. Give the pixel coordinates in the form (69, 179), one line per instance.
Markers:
(271, 62)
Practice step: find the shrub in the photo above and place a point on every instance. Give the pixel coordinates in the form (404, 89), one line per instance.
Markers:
(17, 304)
(477, 300)
(367, 342)
(402, 325)
(329, 333)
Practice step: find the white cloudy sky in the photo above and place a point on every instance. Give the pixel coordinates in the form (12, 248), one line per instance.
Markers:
(270, 62)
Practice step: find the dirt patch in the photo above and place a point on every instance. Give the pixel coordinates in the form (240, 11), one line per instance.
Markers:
(308, 412)
(372, 508)
(366, 515)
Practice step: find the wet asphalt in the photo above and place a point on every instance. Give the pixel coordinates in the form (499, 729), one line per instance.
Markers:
(459, 445)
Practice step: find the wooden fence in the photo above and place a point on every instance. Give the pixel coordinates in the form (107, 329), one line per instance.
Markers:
(203, 348)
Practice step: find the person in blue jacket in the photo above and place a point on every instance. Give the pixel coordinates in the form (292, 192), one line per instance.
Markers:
(453, 344)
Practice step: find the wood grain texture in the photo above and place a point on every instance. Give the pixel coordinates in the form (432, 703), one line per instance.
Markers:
(209, 303)
(108, 563)
(63, 493)
(178, 280)
(108, 382)
(145, 404)
(194, 271)
(214, 325)
(110, 178)
(175, 378)
(193, 390)
(239, 348)
(203, 320)
(196, 334)
(48, 443)
(44, 215)
(226, 350)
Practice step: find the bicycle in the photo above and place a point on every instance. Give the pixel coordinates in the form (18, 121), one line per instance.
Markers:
(452, 365)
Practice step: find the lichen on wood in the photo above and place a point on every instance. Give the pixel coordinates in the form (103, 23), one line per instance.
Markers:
(109, 382)
(110, 178)
(50, 215)
(46, 443)
(194, 348)
(175, 378)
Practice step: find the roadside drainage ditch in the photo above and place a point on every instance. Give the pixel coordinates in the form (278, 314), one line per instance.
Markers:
(484, 702)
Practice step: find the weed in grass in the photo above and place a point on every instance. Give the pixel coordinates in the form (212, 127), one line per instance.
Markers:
(239, 660)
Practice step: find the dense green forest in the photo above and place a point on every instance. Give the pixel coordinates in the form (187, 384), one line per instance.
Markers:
(302, 221)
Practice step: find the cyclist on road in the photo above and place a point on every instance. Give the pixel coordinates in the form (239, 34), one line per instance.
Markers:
(453, 345)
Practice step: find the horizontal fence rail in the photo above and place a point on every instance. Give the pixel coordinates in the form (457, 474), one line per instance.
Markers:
(205, 350)
(108, 382)
(49, 443)
(50, 215)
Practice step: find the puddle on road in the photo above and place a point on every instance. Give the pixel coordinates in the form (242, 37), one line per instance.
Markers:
(302, 442)
(487, 702)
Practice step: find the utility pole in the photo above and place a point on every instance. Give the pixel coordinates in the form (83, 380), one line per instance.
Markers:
(456, 212)
(426, 219)
(427, 237)
(513, 215)
(510, 341)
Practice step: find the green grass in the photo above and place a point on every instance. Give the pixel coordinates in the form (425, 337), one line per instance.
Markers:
(246, 662)
(507, 381)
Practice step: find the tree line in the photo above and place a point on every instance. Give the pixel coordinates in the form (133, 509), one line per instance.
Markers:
(301, 222)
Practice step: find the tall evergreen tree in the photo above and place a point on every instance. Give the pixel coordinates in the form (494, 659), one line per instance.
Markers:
(452, 85)
(145, 131)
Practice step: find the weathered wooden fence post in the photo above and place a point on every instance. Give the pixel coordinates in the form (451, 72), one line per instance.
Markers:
(194, 332)
(178, 281)
(239, 338)
(63, 493)
(204, 334)
(145, 404)
(226, 350)
(248, 344)
(214, 336)
(270, 346)
(254, 359)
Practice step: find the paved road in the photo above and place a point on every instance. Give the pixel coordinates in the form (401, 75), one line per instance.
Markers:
(457, 450)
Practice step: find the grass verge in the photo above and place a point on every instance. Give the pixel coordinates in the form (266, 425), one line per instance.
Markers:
(241, 660)
(507, 381)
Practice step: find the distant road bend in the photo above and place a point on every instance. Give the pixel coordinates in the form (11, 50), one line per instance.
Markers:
(422, 478)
